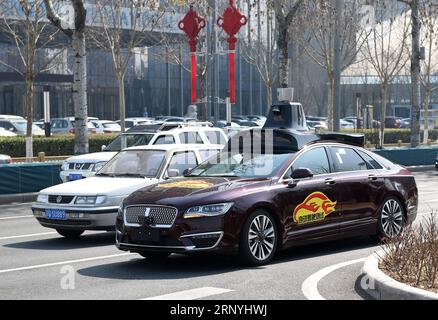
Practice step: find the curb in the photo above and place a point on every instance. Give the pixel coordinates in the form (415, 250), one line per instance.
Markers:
(18, 198)
(383, 287)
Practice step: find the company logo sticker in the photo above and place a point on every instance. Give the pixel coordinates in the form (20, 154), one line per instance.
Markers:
(189, 184)
(315, 208)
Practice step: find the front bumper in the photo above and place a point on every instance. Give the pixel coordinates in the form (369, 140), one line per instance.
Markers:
(185, 236)
(78, 218)
(66, 174)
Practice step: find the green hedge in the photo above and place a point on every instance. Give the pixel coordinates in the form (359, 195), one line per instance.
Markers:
(53, 146)
(393, 135)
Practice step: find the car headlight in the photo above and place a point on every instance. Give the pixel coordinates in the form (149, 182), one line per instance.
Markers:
(91, 200)
(99, 166)
(86, 200)
(65, 166)
(43, 198)
(210, 210)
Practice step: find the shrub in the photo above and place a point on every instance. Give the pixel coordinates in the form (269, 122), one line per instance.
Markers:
(412, 258)
(52, 146)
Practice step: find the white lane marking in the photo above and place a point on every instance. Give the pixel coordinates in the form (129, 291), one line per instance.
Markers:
(310, 285)
(191, 294)
(28, 235)
(16, 217)
(60, 263)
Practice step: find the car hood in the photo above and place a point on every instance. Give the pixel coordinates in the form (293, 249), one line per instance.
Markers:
(100, 186)
(93, 157)
(185, 192)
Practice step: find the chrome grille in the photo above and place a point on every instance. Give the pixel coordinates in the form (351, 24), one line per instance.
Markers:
(60, 199)
(162, 217)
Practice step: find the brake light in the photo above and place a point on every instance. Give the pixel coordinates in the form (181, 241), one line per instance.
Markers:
(72, 131)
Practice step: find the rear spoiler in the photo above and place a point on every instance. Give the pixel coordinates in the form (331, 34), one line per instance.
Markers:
(352, 139)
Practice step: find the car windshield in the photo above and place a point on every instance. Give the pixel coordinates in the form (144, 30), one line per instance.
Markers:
(242, 166)
(129, 140)
(134, 163)
(20, 125)
(111, 125)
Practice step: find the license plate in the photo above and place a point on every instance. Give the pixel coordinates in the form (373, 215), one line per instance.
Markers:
(148, 235)
(53, 214)
(74, 177)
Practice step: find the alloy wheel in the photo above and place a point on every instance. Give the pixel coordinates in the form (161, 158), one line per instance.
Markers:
(261, 237)
(392, 218)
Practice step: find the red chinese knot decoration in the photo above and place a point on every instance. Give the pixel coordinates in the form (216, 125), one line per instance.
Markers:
(192, 24)
(231, 22)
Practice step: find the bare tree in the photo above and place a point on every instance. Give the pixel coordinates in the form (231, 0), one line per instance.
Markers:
(386, 51)
(415, 70)
(123, 27)
(319, 40)
(285, 12)
(429, 19)
(23, 22)
(75, 31)
(260, 49)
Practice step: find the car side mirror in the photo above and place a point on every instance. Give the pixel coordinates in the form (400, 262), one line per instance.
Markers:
(187, 172)
(299, 174)
(173, 173)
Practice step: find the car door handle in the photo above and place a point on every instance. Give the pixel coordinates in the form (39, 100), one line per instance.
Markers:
(372, 177)
(330, 181)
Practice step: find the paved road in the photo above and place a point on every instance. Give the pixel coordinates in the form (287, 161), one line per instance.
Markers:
(36, 263)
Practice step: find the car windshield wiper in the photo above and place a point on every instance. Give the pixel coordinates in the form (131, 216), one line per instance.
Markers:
(105, 175)
(133, 175)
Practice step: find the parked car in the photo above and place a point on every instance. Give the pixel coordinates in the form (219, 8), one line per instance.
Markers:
(405, 123)
(84, 166)
(19, 126)
(346, 125)
(67, 126)
(6, 133)
(92, 204)
(106, 126)
(5, 159)
(260, 120)
(306, 190)
(317, 125)
(133, 122)
(393, 122)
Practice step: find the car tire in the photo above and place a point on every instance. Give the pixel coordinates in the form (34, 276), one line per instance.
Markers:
(259, 239)
(70, 234)
(391, 219)
(155, 256)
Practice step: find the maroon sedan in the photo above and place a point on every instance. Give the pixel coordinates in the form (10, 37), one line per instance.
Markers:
(308, 189)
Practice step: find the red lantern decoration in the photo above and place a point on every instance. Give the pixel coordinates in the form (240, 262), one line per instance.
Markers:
(192, 24)
(231, 22)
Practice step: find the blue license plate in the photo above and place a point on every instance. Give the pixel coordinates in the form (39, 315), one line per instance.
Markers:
(53, 214)
(74, 177)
